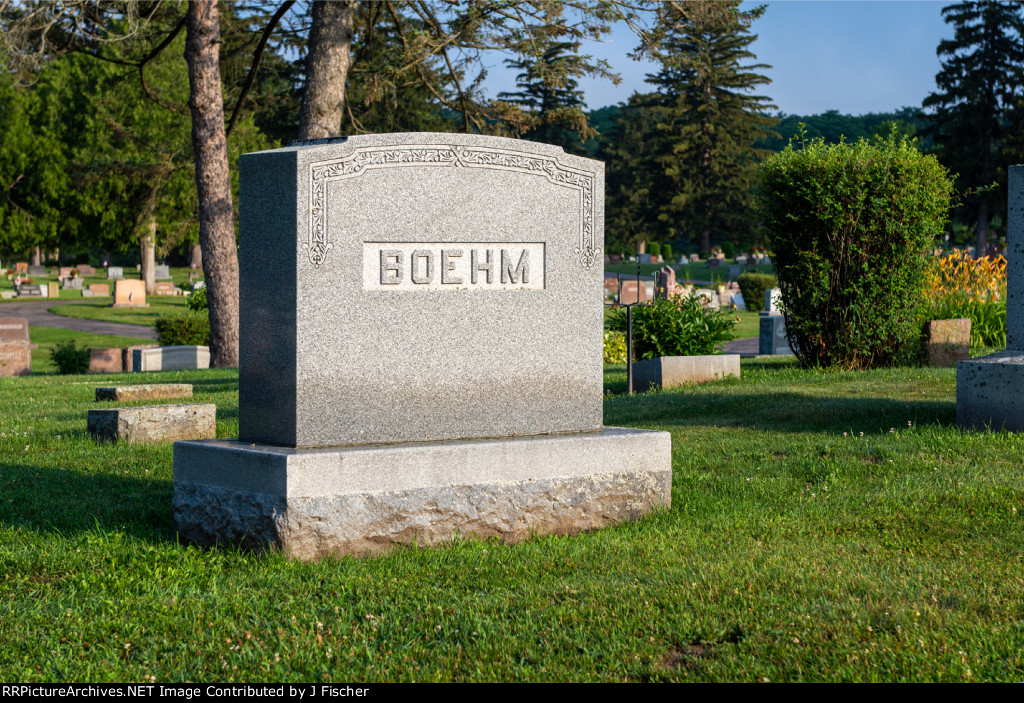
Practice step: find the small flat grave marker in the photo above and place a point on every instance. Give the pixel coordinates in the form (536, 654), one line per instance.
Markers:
(176, 358)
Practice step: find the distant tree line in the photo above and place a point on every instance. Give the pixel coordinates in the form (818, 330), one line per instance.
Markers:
(121, 121)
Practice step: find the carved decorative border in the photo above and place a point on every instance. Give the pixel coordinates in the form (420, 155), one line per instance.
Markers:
(365, 158)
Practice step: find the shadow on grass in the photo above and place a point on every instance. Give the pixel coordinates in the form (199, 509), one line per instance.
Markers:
(783, 411)
(68, 501)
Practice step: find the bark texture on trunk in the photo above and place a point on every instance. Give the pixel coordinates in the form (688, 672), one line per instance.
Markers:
(216, 221)
(37, 257)
(149, 256)
(327, 66)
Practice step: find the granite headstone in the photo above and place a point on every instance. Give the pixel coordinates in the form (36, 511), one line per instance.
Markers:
(396, 292)
(15, 349)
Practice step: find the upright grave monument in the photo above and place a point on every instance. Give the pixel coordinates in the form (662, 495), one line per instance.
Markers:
(989, 388)
(15, 348)
(421, 353)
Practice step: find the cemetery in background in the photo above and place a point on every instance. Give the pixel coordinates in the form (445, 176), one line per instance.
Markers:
(423, 466)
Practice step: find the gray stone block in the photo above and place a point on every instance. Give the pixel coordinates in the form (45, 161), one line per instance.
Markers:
(151, 424)
(772, 339)
(988, 389)
(773, 301)
(670, 371)
(312, 503)
(382, 298)
(988, 392)
(148, 391)
(177, 358)
(1015, 258)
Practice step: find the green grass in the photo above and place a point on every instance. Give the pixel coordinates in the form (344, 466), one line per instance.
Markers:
(99, 309)
(791, 552)
(47, 337)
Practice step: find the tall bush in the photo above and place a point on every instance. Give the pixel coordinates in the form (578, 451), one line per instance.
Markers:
(849, 226)
(654, 249)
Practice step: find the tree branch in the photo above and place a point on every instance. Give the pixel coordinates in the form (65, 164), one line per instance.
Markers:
(257, 57)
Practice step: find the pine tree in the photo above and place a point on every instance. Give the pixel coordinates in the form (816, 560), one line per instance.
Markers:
(982, 77)
(630, 149)
(711, 120)
(548, 94)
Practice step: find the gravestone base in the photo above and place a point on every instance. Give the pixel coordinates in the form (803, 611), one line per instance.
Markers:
(312, 503)
(988, 392)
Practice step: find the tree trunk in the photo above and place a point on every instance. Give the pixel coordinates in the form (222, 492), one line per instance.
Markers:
(149, 256)
(641, 247)
(981, 246)
(195, 257)
(213, 181)
(327, 64)
(37, 257)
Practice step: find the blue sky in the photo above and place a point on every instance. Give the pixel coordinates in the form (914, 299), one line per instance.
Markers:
(852, 56)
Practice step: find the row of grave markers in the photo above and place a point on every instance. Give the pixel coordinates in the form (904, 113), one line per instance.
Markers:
(160, 271)
(16, 354)
(127, 292)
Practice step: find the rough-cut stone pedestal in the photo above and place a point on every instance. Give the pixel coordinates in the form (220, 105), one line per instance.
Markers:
(312, 503)
(150, 424)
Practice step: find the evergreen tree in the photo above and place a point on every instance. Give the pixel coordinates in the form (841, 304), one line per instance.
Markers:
(982, 78)
(630, 149)
(710, 118)
(548, 94)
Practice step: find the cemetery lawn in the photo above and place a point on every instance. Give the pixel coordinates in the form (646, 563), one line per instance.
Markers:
(791, 552)
(99, 309)
(47, 337)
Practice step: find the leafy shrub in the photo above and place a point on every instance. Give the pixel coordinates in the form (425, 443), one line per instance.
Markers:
(677, 326)
(666, 252)
(197, 301)
(614, 347)
(654, 249)
(729, 249)
(849, 226)
(959, 286)
(753, 286)
(188, 329)
(69, 358)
